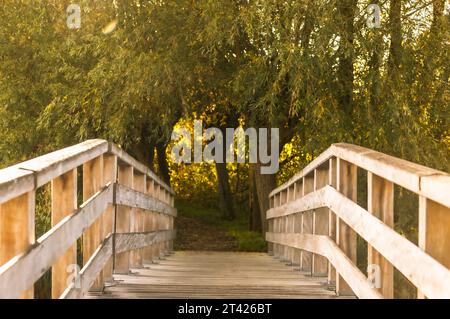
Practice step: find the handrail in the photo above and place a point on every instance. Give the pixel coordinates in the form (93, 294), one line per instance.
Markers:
(127, 217)
(320, 201)
(419, 179)
(26, 176)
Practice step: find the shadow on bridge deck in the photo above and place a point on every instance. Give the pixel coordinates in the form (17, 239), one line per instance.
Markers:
(217, 275)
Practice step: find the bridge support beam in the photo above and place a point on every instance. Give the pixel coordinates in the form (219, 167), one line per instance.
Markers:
(109, 175)
(123, 216)
(320, 222)
(307, 223)
(137, 220)
(380, 203)
(345, 235)
(92, 183)
(17, 229)
(64, 203)
(434, 231)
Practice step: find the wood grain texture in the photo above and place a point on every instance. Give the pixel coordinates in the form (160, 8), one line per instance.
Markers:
(217, 275)
(23, 270)
(64, 203)
(427, 274)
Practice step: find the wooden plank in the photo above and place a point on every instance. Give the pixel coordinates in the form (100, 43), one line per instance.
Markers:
(126, 159)
(174, 277)
(129, 197)
(109, 175)
(92, 183)
(323, 245)
(23, 270)
(133, 241)
(90, 271)
(136, 221)
(434, 231)
(345, 235)
(380, 203)
(332, 180)
(123, 215)
(64, 203)
(14, 182)
(17, 233)
(307, 222)
(320, 222)
(298, 192)
(428, 275)
(419, 179)
(148, 222)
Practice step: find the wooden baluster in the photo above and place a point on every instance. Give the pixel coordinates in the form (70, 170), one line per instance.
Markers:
(307, 227)
(109, 175)
(270, 228)
(64, 203)
(92, 183)
(434, 231)
(285, 226)
(298, 189)
(123, 215)
(136, 222)
(346, 237)
(332, 181)
(320, 222)
(157, 219)
(17, 218)
(148, 223)
(380, 203)
(164, 221)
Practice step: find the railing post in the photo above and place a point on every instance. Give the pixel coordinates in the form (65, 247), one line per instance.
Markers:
(307, 222)
(270, 227)
(434, 231)
(64, 203)
(380, 203)
(17, 229)
(298, 190)
(137, 222)
(320, 223)
(109, 175)
(157, 222)
(148, 222)
(346, 237)
(92, 183)
(123, 215)
(332, 181)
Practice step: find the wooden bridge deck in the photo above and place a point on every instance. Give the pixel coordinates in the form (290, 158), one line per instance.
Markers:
(217, 275)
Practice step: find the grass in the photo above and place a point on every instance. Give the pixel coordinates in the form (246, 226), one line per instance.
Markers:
(238, 228)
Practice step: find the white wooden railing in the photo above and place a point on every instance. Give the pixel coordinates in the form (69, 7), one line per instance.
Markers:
(126, 219)
(314, 221)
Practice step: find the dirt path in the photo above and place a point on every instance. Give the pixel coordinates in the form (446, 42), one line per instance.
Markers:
(193, 234)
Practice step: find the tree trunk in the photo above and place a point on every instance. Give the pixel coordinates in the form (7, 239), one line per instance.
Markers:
(144, 153)
(162, 162)
(225, 197)
(438, 13)
(255, 214)
(395, 50)
(375, 73)
(264, 185)
(346, 17)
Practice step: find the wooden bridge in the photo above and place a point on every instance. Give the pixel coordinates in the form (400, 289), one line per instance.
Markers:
(123, 231)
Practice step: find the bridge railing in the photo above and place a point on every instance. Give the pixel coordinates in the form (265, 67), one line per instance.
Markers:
(314, 221)
(126, 218)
